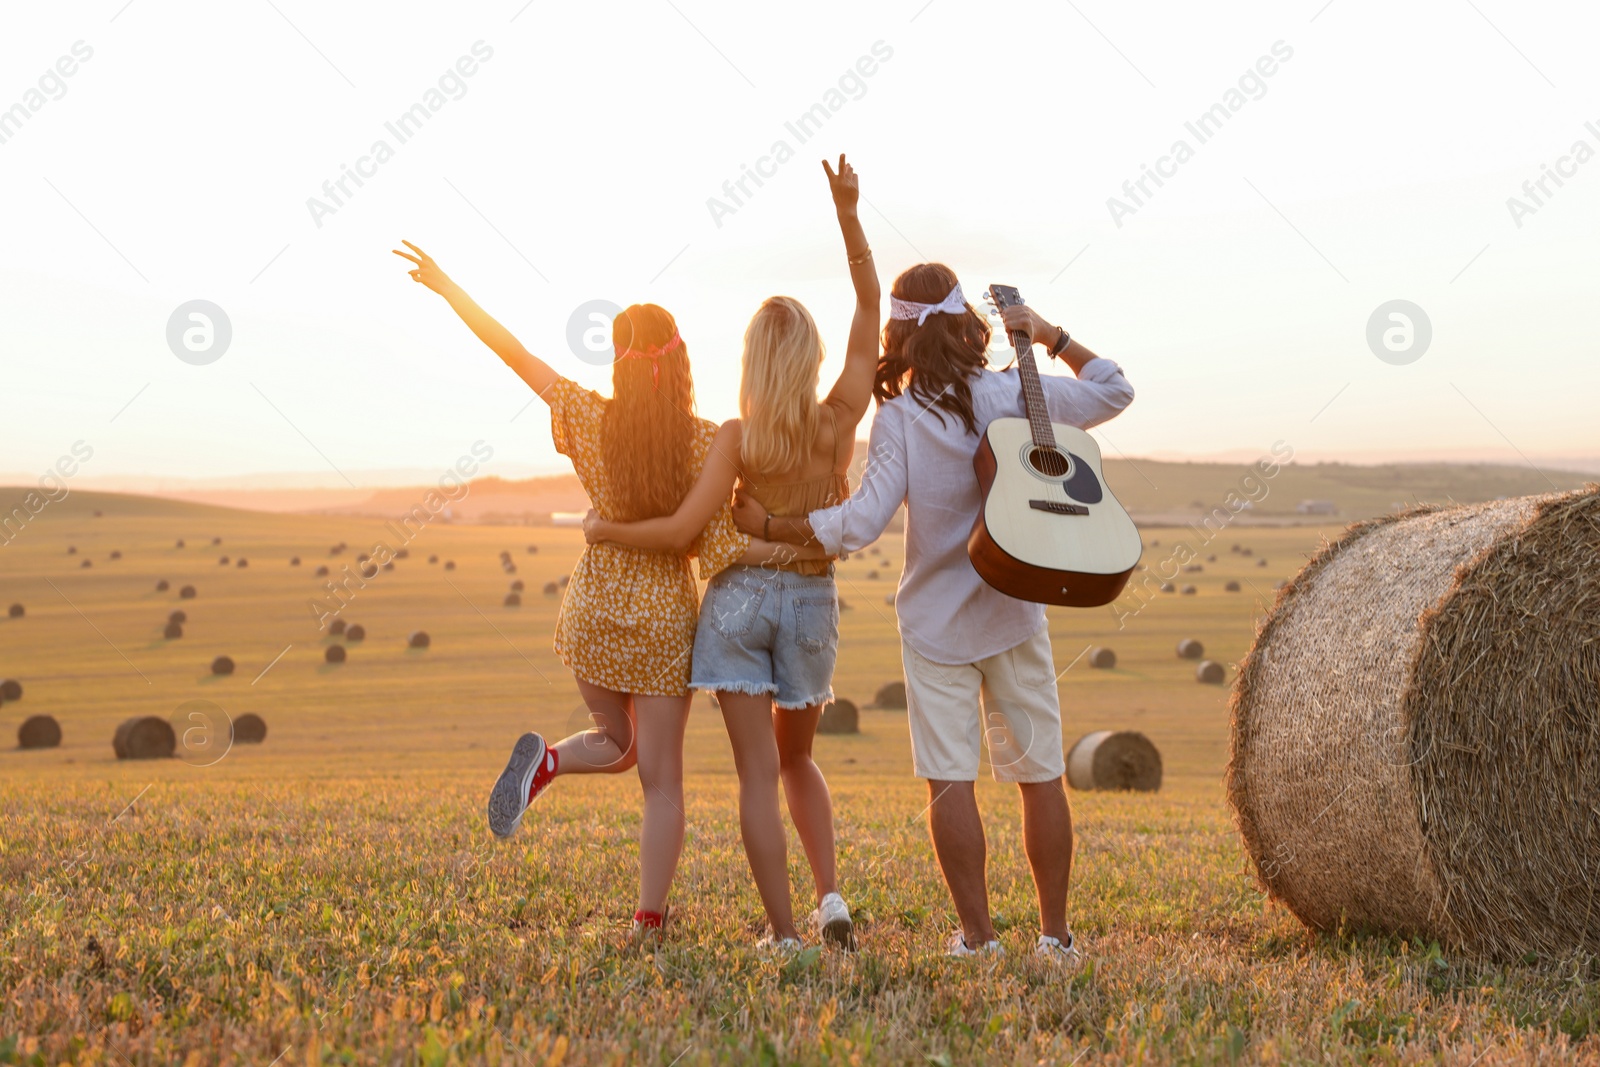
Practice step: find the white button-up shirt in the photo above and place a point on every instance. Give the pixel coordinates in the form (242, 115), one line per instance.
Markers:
(947, 613)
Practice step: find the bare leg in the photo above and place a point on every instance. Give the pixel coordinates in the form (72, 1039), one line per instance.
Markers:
(806, 791)
(748, 718)
(1047, 835)
(607, 748)
(958, 842)
(660, 722)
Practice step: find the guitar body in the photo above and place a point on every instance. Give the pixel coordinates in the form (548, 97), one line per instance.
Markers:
(1045, 535)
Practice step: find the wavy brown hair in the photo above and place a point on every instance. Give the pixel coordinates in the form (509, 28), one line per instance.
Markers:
(934, 361)
(647, 433)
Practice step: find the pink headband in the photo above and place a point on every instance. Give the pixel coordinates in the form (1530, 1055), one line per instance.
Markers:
(654, 353)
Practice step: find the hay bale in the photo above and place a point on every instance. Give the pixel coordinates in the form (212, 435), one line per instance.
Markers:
(355, 632)
(517, 586)
(16, 611)
(216, 540)
(334, 654)
(433, 559)
(1261, 562)
(891, 695)
(186, 593)
(564, 579)
(1189, 648)
(322, 571)
(513, 600)
(510, 568)
(1416, 739)
(336, 627)
(222, 665)
(242, 562)
(419, 639)
(162, 586)
(180, 617)
(844, 605)
(1210, 672)
(1230, 587)
(10, 690)
(369, 570)
(72, 550)
(889, 600)
(872, 576)
(449, 564)
(224, 561)
(179, 543)
(116, 553)
(533, 550)
(249, 729)
(144, 737)
(403, 553)
(1114, 759)
(839, 717)
(294, 561)
(551, 588)
(1102, 658)
(1188, 590)
(87, 563)
(39, 731)
(173, 631)
(1194, 568)
(1168, 587)
(389, 566)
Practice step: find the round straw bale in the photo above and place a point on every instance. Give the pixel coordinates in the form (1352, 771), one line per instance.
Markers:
(1114, 759)
(1262, 562)
(1168, 587)
(419, 639)
(294, 561)
(402, 553)
(249, 729)
(180, 617)
(10, 689)
(222, 665)
(179, 543)
(449, 564)
(533, 550)
(242, 562)
(336, 627)
(1195, 568)
(1188, 590)
(39, 731)
(98, 513)
(224, 561)
(322, 571)
(334, 654)
(889, 599)
(513, 600)
(369, 570)
(872, 576)
(510, 568)
(1416, 739)
(891, 695)
(1230, 587)
(1189, 648)
(173, 631)
(87, 563)
(551, 588)
(1247, 551)
(875, 550)
(433, 559)
(839, 717)
(116, 554)
(162, 586)
(72, 550)
(564, 579)
(1210, 672)
(144, 737)
(16, 611)
(216, 540)
(1102, 658)
(517, 586)
(355, 632)
(389, 566)
(186, 593)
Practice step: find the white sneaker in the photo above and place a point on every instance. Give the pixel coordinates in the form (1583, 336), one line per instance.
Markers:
(778, 946)
(1065, 956)
(832, 921)
(960, 950)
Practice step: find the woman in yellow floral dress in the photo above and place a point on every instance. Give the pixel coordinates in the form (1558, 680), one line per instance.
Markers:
(627, 626)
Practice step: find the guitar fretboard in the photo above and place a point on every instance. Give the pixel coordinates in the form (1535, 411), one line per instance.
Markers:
(1033, 393)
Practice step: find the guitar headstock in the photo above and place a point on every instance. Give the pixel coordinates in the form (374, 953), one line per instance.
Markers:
(1004, 296)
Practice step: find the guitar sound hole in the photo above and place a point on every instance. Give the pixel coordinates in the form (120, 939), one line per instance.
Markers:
(1049, 462)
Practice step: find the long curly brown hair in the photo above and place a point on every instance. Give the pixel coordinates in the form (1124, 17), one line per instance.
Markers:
(935, 361)
(647, 433)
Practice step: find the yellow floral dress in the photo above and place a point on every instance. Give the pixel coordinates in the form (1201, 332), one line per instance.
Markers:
(628, 619)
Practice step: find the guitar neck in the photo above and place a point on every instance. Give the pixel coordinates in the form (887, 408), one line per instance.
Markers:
(1033, 391)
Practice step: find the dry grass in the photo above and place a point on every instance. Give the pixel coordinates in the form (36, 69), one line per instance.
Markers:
(332, 896)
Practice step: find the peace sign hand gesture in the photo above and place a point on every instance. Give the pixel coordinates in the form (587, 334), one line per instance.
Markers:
(844, 185)
(427, 271)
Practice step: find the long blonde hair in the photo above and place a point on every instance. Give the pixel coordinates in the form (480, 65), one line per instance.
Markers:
(647, 431)
(778, 392)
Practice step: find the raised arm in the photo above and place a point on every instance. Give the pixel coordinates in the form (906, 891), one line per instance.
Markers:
(1100, 392)
(536, 372)
(676, 532)
(853, 391)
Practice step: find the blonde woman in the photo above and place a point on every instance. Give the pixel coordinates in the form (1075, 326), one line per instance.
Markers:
(768, 635)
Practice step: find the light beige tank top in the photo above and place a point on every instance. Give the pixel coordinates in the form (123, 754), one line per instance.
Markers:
(804, 497)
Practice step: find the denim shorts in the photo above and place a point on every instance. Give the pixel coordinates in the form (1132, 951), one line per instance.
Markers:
(769, 631)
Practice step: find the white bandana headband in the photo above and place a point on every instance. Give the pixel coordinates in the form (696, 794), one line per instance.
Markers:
(954, 304)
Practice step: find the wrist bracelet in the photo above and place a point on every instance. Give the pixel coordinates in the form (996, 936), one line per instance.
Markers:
(856, 261)
(1061, 342)
(766, 527)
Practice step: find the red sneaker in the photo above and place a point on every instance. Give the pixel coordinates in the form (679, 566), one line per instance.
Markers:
(530, 769)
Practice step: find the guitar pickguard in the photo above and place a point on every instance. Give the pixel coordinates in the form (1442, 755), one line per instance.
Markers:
(1083, 486)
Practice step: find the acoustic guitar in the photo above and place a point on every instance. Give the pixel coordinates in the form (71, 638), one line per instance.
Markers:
(1049, 530)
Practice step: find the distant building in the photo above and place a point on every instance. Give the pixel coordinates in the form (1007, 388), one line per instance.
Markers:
(1317, 507)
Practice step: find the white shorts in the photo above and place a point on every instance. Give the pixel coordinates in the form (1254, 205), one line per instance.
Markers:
(1007, 701)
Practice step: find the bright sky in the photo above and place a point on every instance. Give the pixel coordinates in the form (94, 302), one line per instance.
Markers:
(575, 163)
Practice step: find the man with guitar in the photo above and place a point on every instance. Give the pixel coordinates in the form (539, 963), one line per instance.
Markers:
(978, 663)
